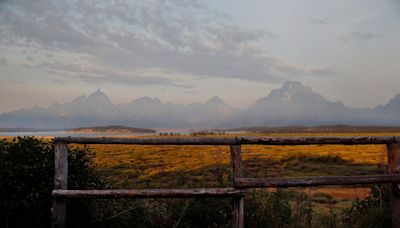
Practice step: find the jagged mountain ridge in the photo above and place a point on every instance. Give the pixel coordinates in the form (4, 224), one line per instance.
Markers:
(97, 109)
(291, 104)
(295, 104)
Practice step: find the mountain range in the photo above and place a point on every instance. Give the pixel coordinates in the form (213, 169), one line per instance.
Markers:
(291, 104)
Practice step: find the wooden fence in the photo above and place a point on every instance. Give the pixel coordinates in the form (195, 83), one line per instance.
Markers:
(239, 182)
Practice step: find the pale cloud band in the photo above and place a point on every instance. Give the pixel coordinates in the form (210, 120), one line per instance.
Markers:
(123, 42)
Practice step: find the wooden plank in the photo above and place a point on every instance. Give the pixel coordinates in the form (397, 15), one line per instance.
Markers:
(229, 141)
(237, 172)
(315, 140)
(315, 181)
(393, 154)
(60, 182)
(238, 212)
(149, 193)
(148, 141)
(236, 162)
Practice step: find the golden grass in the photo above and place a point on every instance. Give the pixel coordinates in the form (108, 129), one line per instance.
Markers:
(136, 165)
(343, 193)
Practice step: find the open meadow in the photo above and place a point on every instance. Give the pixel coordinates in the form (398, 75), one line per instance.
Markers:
(167, 166)
(136, 166)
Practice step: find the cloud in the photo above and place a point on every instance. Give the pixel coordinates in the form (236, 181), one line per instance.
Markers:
(29, 59)
(3, 61)
(304, 70)
(126, 39)
(364, 35)
(104, 75)
(319, 21)
(359, 36)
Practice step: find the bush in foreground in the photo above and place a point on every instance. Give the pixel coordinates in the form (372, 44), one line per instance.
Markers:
(26, 177)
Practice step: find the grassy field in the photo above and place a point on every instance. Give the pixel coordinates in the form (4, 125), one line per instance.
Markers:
(132, 166)
(136, 166)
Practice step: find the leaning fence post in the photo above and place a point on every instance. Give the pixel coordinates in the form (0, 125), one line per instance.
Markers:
(238, 202)
(393, 154)
(60, 182)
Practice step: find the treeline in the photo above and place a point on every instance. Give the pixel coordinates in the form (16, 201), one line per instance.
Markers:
(205, 133)
(111, 128)
(319, 129)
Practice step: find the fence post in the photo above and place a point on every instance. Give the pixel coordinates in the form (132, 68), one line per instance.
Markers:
(238, 202)
(60, 182)
(393, 154)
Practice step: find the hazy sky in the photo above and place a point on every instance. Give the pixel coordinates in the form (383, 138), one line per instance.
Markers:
(186, 50)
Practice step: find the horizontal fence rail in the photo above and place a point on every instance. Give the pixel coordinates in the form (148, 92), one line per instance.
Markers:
(149, 141)
(315, 181)
(232, 140)
(317, 140)
(150, 193)
(239, 182)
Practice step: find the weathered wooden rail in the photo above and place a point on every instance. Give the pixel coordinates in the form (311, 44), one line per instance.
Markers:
(239, 182)
(149, 193)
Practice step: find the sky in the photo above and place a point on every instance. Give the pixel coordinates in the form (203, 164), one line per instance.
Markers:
(183, 51)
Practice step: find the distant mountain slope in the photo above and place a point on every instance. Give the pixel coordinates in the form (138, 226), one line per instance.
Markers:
(81, 111)
(389, 113)
(97, 109)
(151, 112)
(94, 105)
(292, 104)
(209, 114)
(295, 104)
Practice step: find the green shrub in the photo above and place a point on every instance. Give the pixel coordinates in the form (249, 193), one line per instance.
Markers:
(267, 209)
(373, 211)
(26, 178)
